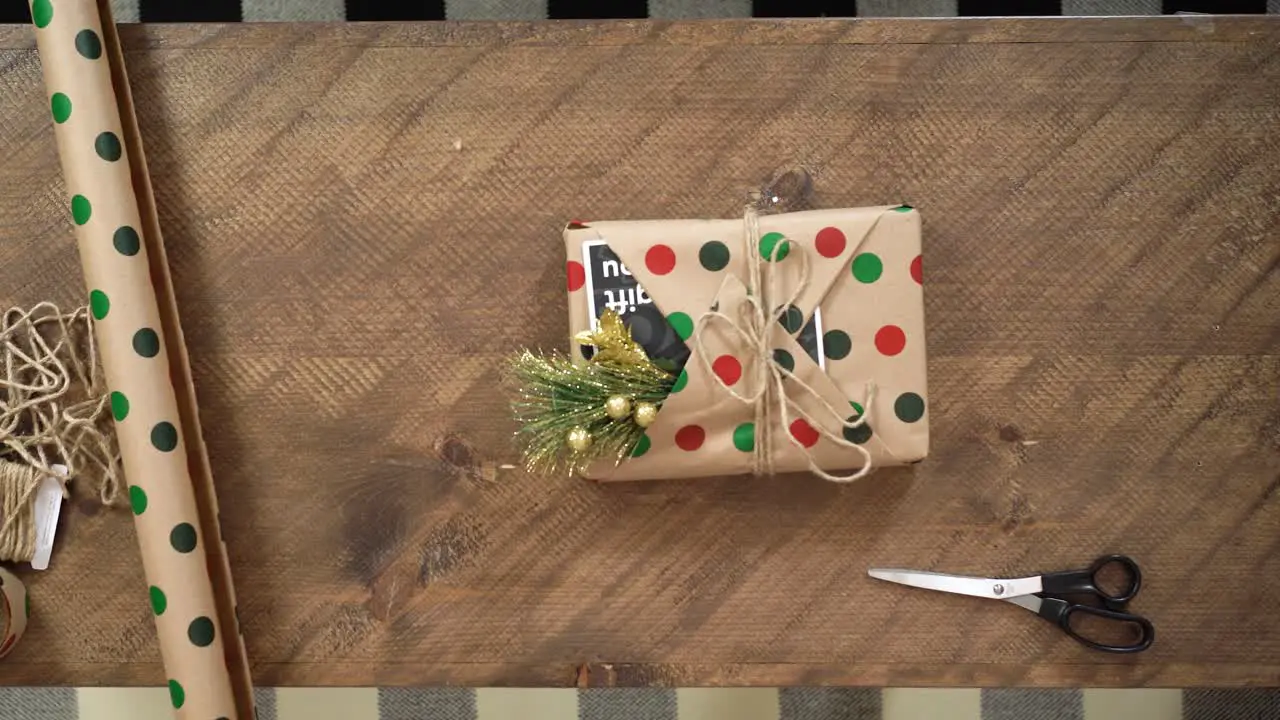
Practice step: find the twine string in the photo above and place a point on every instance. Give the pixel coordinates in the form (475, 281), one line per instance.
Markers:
(768, 396)
(18, 483)
(53, 410)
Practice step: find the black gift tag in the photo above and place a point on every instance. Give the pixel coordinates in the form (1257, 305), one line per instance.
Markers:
(811, 340)
(610, 285)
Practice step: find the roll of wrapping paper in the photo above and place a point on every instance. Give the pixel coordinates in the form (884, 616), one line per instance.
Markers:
(142, 353)
(14, 609)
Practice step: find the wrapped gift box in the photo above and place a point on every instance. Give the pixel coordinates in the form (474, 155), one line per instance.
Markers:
(859, 269)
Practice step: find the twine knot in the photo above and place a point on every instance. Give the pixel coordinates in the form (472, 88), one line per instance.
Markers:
(773, 405)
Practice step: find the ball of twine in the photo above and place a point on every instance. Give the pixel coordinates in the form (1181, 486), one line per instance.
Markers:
(53, 411)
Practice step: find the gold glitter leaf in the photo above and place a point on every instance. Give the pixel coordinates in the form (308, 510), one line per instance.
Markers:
(613, 342)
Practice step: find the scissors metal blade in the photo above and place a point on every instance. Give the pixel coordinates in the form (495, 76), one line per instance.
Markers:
(994, 588)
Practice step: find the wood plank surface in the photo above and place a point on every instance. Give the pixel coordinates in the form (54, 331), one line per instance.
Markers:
(362, 220)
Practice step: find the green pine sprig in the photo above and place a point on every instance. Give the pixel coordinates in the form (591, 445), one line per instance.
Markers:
(554, 396)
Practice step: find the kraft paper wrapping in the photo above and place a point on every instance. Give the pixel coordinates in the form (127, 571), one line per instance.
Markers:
(95, 147)
(865, 274)
(14, 609)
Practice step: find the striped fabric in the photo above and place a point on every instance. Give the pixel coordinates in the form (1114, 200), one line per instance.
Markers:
(370, 10)
(659, 704)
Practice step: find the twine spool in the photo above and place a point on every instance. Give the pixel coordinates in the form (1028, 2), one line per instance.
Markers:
(18, 485)
(53, 411)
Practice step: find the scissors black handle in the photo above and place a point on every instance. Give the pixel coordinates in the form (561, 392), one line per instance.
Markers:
(1060, 613)
(1085, 582)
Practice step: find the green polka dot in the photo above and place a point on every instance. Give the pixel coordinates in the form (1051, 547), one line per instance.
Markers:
(107, 145)
(89, 44)
(714, 255)
(81, 210)
(137, 499)
(146, 343)
(682, 324)
(903, 208)
(60, 105)
(768, 242)
(99, 304)
(858, 435)
(681, 380)
(164, 436)
(177, 695)
(183, 538)
(867, 267)
(836, 344)
(119, 406)
(126, 241)
(41, 13)
(783, 358)
(641, 447)
(158, 601)
(200, 632)
(744, 437)
(792, 320)
(909, 407)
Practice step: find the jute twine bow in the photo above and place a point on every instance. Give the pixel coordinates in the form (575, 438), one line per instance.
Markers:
(769, 397)
(52, 410)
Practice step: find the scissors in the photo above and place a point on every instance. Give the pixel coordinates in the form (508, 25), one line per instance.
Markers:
(1051, 597)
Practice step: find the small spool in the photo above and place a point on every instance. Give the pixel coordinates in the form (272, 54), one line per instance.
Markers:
(14, 607)
(18, 485)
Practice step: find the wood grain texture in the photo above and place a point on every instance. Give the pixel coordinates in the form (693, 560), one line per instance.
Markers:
(1101, 202)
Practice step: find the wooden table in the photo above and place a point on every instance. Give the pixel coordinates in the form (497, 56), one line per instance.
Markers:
(363, 219)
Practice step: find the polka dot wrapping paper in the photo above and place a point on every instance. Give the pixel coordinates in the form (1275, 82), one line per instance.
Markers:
(15, 606)
(122, 255)
(865, 273)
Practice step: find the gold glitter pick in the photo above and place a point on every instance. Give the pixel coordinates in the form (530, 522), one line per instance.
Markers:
(613, 342)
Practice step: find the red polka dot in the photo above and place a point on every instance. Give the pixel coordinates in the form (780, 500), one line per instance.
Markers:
(803, 432)
(830, 242)
(728, 369)
(890, 340)
(577, 275)
(690, 437)
(917, 272)
(660, 260)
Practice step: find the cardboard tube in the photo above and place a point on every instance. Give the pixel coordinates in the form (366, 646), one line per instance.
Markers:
(142, 356)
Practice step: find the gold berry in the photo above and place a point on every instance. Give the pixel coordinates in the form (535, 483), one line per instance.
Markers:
(579, 439)
(645, 414)
(617, 407)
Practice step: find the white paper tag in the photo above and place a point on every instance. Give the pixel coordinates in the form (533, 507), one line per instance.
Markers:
(48, 507)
